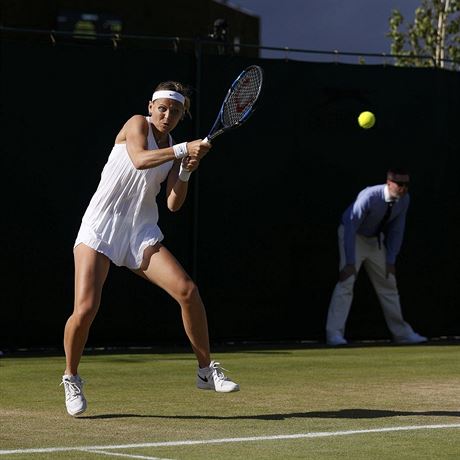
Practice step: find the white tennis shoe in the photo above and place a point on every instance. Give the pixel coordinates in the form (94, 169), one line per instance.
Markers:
(213, 378)
(74, 398)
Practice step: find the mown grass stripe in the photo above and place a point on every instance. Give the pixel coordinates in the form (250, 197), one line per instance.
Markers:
(228, 440)
(117, 454)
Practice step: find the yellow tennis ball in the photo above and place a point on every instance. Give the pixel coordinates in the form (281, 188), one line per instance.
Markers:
(366, 120)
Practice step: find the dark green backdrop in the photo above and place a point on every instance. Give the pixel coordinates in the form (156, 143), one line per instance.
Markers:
(259, 228)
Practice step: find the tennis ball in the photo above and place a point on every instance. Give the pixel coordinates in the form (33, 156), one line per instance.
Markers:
(366, 120)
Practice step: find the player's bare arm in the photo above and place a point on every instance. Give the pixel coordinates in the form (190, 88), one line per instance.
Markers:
(176, 190)
(134, 133)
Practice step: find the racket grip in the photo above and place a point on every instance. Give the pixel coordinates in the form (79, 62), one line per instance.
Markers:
(205, 140)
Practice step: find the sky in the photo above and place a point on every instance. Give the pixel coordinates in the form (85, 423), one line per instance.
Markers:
(327, 25)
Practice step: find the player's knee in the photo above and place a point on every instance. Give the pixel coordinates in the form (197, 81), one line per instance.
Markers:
(85, 311)
(187, 292)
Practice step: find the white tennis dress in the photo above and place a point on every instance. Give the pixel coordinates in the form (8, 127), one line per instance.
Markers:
(122, 217)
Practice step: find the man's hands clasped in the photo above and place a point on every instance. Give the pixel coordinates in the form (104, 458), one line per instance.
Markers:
(350, 270)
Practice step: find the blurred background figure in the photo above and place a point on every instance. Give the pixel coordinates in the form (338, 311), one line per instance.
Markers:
(371, 234)
(220, 34)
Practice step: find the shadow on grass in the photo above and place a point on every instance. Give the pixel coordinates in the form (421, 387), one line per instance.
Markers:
(343, 413)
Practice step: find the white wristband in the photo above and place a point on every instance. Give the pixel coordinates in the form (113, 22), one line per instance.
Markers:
(184, 174)
(180, 150)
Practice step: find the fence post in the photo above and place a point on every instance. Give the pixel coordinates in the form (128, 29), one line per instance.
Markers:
(196, 180)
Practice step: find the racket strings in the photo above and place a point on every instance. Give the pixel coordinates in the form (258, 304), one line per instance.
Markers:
(243, 96)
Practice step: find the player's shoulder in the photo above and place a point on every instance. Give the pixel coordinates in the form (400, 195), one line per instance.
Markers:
(138, 119)
(138, 122)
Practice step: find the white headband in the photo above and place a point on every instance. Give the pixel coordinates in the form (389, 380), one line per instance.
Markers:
(168, 95)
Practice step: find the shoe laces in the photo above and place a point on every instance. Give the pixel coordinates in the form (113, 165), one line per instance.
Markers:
(218, 371)
(72, 388)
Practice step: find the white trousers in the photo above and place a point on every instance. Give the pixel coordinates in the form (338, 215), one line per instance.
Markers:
(374, 261)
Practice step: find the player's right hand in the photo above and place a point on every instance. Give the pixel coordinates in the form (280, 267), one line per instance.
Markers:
(198, 149)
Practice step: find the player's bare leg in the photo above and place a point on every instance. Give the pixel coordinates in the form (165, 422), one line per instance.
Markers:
(91, 269)
(161, 268)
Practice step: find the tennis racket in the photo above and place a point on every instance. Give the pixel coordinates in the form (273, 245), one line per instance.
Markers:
(239, 103)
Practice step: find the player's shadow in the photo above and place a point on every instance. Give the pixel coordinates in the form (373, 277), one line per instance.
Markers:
(343, 413)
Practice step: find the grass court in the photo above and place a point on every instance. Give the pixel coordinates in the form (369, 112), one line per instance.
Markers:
(375, 402)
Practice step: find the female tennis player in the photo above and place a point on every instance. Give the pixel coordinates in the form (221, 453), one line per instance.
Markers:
(120, 226)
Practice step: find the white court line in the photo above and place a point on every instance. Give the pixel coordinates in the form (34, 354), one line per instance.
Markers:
(97, 451)
(225, 440)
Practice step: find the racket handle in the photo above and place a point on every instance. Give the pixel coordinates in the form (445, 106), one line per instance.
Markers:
(205, 140)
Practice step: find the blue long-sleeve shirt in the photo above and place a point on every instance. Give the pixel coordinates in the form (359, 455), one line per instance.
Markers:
(364, 215)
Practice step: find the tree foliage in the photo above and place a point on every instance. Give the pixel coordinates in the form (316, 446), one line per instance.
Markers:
(432, 40)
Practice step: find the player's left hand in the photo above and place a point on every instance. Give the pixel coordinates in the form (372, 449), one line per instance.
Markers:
(190, 163)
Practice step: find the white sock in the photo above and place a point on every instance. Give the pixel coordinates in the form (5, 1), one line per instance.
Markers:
(203, 370)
